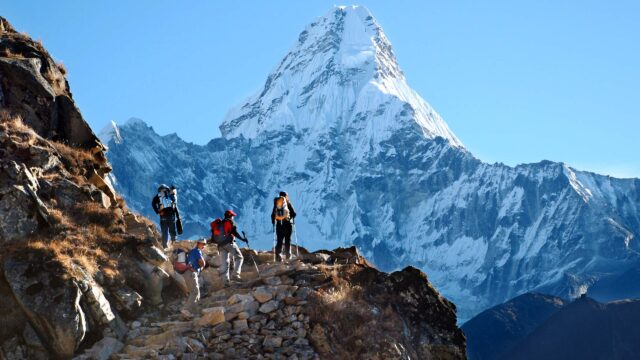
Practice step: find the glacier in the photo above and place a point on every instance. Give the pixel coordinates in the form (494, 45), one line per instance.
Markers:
(367, 161)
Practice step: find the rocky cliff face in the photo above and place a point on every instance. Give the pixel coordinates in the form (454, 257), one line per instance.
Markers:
(368, 162)
(80, 275)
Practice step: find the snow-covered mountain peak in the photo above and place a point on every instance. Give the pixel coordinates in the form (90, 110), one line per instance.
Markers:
(136, 122)
(110, 132)
(341, 75)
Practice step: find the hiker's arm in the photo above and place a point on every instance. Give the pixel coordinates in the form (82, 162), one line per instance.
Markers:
(236, 234)
(155, 204)
(273, 216)
(292, 211)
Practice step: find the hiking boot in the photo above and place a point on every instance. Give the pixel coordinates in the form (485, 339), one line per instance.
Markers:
(227, 283)
(236, 277)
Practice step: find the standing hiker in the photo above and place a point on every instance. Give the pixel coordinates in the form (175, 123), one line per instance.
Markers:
(223, 233)
(165, 204)
(195, 263)
(282, 217)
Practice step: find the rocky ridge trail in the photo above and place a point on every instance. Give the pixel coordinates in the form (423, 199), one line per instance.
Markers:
(298, 310)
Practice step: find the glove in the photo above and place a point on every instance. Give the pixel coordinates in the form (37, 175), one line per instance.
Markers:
(245, 240)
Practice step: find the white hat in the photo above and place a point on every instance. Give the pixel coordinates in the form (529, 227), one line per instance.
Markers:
(203, 240)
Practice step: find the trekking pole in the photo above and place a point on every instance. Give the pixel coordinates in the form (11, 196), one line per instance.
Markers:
(295, 232)
(274, 241)
(251, 255)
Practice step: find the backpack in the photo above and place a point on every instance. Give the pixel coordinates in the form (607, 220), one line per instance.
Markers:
(221, 232)
(282, 211)
(181, 261)
(166, 201)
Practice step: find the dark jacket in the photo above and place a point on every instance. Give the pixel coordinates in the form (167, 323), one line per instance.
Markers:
(292, 213)
(234, 230)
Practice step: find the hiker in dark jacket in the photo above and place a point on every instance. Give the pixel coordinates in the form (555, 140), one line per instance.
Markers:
(165, 204)
(282, 216)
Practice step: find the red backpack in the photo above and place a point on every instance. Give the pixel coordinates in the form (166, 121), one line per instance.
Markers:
(221, 232)
(181, 261)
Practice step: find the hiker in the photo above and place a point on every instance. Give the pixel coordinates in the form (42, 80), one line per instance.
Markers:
(282, 217)
(195, 263)
(165, 204)
(223, 233)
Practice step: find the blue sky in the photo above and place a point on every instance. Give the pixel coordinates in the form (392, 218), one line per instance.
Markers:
(516, 81)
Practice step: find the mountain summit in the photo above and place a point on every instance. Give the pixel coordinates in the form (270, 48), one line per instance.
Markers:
(367, 162)
(341, 75)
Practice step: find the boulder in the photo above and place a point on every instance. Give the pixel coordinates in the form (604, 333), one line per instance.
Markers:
(262, 294)
(272, 342)
(239, 298)
(68, 193)
(152, 254)
(141, 352)
(101, 198)
(154, 282)
(19, 218)
(126, 300)
(50, 300)
(240, 325)
(274, 280)
(269, 307)
(103, 184)
(211, 316)
(135, 226)
(102, 350)
(315, 258)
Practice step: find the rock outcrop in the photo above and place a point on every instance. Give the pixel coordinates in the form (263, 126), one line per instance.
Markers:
(303, 310)
(34, 87)
(66, 236)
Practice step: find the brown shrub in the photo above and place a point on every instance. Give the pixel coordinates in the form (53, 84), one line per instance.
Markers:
(76, 160)
(13, 123)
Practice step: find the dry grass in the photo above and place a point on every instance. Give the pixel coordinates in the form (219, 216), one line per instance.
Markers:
(70, 254)
(353, 324)
(76, 160)
(13, 123)
(62, 68)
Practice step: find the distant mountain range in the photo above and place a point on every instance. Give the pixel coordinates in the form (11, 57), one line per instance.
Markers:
(368, 162)
(536, 326)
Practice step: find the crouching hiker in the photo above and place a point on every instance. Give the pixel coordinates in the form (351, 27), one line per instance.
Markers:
(223, 234)
(189, 265)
